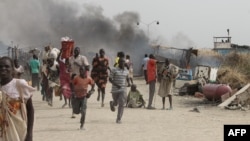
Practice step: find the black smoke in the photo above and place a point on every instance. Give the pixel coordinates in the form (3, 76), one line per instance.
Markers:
(35, 24)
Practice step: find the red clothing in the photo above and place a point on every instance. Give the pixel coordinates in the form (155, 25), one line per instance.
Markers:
(64, 79)
(151, 70)
(64, 73)
(81, 86)
(100, 71)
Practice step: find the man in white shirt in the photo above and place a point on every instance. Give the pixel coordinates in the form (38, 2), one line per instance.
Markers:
(144, 67)
(19, 70)
(77, 61)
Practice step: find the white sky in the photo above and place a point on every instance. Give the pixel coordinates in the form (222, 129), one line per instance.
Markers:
(196, 20)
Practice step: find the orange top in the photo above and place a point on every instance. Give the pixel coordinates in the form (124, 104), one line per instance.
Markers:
(81, 86)
(151, 70)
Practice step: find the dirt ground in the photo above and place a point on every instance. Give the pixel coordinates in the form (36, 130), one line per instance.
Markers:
(180, 124)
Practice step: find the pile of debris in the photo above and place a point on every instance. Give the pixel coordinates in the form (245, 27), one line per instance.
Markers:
(234, 72)
(240, 100)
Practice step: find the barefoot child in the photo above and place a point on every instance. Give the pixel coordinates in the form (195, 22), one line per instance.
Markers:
(80, 86)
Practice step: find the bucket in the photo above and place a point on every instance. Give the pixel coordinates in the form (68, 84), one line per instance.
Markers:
(67, 49)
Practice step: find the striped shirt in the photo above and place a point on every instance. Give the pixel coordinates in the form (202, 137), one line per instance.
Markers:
(119, 77)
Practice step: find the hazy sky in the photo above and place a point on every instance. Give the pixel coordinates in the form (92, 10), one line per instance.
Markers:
(183, 23)
(194, 22)
(111, 24)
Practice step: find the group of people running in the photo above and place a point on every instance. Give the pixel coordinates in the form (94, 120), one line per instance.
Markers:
(69, 78)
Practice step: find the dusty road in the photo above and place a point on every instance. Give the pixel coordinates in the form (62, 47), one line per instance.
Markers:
(55, 123)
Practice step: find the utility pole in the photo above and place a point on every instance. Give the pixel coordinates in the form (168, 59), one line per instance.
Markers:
(148, 25)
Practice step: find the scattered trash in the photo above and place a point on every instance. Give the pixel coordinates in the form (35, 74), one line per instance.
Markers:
(240, 100)
(195, 109)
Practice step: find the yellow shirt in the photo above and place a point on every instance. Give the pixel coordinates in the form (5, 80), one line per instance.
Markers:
(116, 62)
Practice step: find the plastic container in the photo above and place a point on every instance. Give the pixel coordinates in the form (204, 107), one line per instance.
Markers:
(67, 49)
(213, 92)
(54, 53)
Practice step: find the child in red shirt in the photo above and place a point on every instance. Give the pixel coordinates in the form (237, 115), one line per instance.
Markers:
(80, 87)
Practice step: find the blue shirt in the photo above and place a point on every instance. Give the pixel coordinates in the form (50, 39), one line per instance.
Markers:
(34, 65)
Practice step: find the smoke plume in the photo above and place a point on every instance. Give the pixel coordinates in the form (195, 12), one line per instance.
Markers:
(35, 24)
